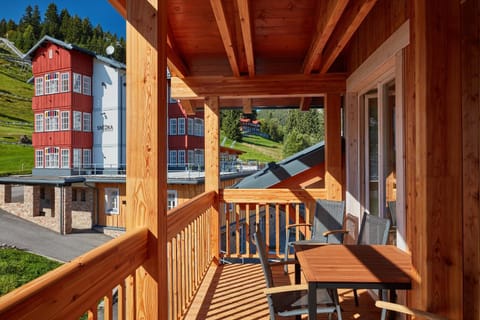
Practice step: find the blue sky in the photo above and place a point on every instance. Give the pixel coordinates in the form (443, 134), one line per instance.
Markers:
(98, 11)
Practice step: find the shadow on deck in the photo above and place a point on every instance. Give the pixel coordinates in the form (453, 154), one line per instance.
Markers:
(235, 291)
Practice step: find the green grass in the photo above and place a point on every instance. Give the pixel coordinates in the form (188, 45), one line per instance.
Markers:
(257, 148)
(15, 159)
(19, 267)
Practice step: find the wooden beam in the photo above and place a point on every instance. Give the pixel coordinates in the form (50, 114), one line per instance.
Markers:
(333, 148)
(120, 6)
(175, 63)
(245, 22)
(247, 106)
(212, 168)
(305, 103)
(329, 15)
(437, 258)
(146, 144)
(346, 27)
(187, 106)
(295, 85)
(219, 13)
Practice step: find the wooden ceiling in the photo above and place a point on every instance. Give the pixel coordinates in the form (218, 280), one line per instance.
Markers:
(259, 52)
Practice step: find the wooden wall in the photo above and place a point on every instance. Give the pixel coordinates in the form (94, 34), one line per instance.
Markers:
(111, 220)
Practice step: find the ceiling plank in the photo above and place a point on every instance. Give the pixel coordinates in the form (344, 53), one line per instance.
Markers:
(219, 13)
(330, 13)
(348, 24)
(247, 106)
(175, 63)
(291, 85)
(245, 22)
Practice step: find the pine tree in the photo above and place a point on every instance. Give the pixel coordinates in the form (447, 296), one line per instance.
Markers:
(36, 22)
(28, 38)
(51, 24)
(230, 123)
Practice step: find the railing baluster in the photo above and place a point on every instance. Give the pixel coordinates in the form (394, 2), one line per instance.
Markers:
(247, 229)
(108, 306)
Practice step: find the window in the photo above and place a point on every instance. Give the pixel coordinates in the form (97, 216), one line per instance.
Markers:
(77, 158)
(199, 157)
(65, 158)
(65, 82)
(38, 158)
(198, 127)
(83, 195)
(77, 83)
(50, 54)
(74, 194)
(87, 85)
(51, 120)
(51, 83)
(171, 199)
(173, 127)
(77, 121)
(39, 86)
(39, 122)
(181, 126)
(65, 115)
(181, 157)
(172, 157)
(190, 127)
(87, 158)
(87, 122)
(51, 157)
(191, 156)
(111, 201)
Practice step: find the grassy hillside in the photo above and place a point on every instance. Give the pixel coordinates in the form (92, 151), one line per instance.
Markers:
(257, 148)
(16, 117)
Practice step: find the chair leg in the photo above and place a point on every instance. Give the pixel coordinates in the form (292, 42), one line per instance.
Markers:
(285, 258)
(355, 296)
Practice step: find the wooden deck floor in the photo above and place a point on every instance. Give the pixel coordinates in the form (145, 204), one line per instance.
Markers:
(235, 291)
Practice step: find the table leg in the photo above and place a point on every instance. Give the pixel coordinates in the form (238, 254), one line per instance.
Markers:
(383, 296)
(337, 304)
(297, 273)
(312, 301)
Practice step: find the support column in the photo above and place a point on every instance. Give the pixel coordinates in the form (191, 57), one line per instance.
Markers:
(212, 172)
(146, 149)
(333, 148)
(435, 228)
(5, 193)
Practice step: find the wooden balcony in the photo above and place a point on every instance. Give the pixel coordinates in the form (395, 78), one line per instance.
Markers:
(197, 287)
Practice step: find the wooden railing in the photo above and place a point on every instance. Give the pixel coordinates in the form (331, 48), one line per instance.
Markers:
(271, 209)
(189, 251)
(77, 287)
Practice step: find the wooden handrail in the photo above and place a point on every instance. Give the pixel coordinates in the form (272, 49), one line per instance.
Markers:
(71, 289)
(181, 216)
(271, 195)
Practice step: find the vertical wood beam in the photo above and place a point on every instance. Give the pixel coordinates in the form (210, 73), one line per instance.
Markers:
(333, 147)
(437, 242)
(471, 156)
(212, 165)
(352, 148)
(247, 106)
(146, 145)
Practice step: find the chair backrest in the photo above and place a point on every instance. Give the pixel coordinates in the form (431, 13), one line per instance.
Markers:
(263, 256)
(351, 224)
(392, 208)
(373, 230)
(329, 215)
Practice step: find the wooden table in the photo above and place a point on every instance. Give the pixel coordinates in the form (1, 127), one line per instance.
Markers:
(353, 267)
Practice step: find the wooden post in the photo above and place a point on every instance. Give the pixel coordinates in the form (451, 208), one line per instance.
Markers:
(146, 149)
(435, 232)
(333, 148)
(212, 172)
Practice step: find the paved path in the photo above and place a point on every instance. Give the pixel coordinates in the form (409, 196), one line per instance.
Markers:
(31, 237)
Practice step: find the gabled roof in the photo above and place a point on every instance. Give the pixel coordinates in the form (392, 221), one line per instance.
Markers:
(286, 168)
(69, 46)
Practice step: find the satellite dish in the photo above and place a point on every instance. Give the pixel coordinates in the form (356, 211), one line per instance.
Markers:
(110, 50)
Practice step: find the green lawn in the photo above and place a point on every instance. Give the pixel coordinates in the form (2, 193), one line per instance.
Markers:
(257, 148)
(15, 159)
(19, 267)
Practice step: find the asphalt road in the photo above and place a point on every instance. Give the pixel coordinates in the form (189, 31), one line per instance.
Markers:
(28, 236)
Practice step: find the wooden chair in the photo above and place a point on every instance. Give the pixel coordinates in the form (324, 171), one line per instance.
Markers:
(405, 310)
(290, 300)
(326, 227)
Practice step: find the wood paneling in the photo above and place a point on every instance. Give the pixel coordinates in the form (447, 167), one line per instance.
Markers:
(112, 220)
(471, 156)
(333, 148)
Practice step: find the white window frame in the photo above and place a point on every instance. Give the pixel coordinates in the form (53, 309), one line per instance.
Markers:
(65, 120)
(181, 157)
(87, 122)
(77, 121)
(52, 120)
(191, 156)
(172, 157)
(198, 127)
(112, 200)
(181, 126)
(77, 83)
(65, 158)
(87, 158)
(65, 82)
(39, 122)
(39, 161)
(51, 83)
(87, 85)
(77, 158)
(190, 127)
(172, 127)
(172, 199)
(39, 86)
(52, 157)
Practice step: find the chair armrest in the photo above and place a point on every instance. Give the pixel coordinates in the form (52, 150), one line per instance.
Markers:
(404, 309)
(280, 289)
(329, 232)
(295, 225)
(282, 263)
